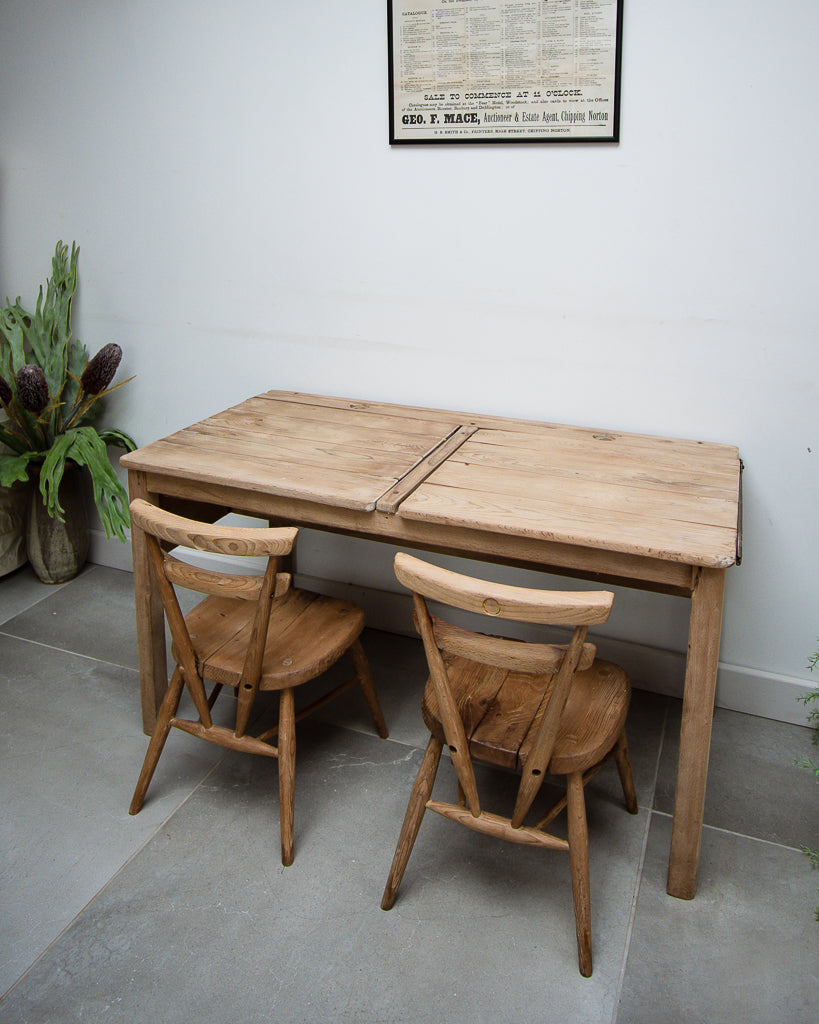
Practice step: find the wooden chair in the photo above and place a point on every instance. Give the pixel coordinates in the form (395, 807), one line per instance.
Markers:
(532, 707)
(252, 633)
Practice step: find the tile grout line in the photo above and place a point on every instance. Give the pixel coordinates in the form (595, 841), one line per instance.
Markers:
(112, 879)
(639, 874)
(65, 650)
(50, 589)
(737, 835)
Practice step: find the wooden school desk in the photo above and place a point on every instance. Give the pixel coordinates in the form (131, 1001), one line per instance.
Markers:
(646, 512)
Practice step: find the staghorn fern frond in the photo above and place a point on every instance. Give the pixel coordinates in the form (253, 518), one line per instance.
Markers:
(86, 447)
(50, 337)
(118, 438)
(13, 467)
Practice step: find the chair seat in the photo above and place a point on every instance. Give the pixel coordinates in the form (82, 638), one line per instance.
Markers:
(502, 709)
(308, 633)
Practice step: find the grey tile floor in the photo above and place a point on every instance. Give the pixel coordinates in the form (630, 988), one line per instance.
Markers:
(184, 912)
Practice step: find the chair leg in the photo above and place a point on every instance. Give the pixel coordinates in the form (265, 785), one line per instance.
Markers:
(412, 819)
(166, 712)
(362, 668)
(579, 863)
(287, 772)
(624, 768)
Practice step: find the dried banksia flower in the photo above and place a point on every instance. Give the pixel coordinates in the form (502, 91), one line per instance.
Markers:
(99, 371)
(32, 390)
(5, 391)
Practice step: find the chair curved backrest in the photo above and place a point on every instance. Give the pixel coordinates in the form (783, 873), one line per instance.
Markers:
(501, 600)
(214, 538)
(520, 604)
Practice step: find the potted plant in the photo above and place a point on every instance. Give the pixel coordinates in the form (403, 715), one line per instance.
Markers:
(13, 513)
(812, 698)
(51, 392)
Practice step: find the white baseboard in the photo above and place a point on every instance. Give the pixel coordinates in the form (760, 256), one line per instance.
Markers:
(765, 694)
(753, 692)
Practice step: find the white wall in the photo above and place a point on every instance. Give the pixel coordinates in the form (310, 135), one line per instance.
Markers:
(244, 225)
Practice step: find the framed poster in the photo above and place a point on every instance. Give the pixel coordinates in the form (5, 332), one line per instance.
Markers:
(504, 70)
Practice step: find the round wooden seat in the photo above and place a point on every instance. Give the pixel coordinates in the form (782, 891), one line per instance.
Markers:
(502, 711)
(308, 633)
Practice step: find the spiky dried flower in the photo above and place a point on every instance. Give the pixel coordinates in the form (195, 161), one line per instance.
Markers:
(99, 371)
(6, 394)
(32, 390)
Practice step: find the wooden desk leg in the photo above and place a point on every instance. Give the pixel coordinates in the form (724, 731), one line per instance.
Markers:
(150, 619)
(695, 732)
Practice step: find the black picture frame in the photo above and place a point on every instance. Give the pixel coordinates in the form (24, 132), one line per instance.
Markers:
(504, 71)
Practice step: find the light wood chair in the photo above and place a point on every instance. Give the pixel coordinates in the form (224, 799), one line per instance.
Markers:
(251, 633)
(535, 708)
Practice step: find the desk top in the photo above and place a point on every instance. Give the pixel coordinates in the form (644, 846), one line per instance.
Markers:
(672, 500)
